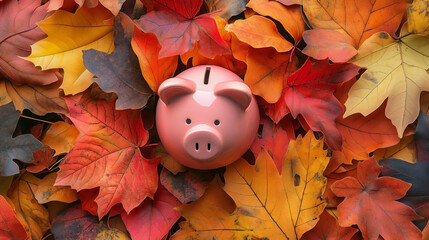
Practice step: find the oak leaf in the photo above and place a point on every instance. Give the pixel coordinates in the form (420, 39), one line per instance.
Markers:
(309, 92)
(62, 49)
(280, 206)
(20, 147)
(39, 99)
(356, 20)
(36, 216)
(60, 136)
(370, 200)
(397, 70)
(107, 155)
(153, 219)
(18, 30)
(178, 28)
(10, 227)
(328, 229)
(154, 69)
(119, 71)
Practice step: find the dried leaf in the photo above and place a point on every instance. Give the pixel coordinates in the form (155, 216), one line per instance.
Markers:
(10, 227)
(60, 137)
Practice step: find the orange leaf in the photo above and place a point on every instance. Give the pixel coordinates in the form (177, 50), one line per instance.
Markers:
(10, 227)
(154, 69)
(290, 17)
(60, 137)
(45, 191)
(259, 32)
(405, 150)
(370, 203)
(43, 158)
(107, 155)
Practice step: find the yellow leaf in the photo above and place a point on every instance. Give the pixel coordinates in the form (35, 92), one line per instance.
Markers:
(404, 150)
(69, 34)
(105, 232)
(35, 215)
(259, 32)
(397, 70)
(45, 191)
(280, 206)
(418, 17)
(60, 137)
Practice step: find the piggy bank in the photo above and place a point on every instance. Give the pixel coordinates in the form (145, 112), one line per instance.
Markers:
(206, 117)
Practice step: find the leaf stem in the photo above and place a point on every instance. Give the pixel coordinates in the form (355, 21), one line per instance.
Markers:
(35, 119)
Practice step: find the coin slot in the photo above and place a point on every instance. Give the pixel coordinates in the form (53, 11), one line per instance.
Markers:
(207, 75)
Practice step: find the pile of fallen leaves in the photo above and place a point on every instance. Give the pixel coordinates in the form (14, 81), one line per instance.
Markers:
(343, 146)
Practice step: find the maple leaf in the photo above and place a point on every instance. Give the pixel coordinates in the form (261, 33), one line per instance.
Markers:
(370, 200)
(18, 30)
(355, 20)
(62, 49)
(266, 72)
(35, 216)
(39, 99)
(309, 92)
(153, 218)
(178, 28)
(119, 71)
(328, 229)
(186, 186)
(20, 147)
(226, 8)
(107, 155)
(61, 137)
(10, 227)
(396, 69)
(154, 69)
(289, 17)
(74, 223)
(275, 140)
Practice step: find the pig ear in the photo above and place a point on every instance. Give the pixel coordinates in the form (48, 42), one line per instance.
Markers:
(174, 87)
(236, 91)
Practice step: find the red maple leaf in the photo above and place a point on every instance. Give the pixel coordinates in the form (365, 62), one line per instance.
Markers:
(370, 203)
(107, 155)
(178, 28)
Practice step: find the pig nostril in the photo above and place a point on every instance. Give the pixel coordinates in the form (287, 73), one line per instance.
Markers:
(209, 146)
(196, 146)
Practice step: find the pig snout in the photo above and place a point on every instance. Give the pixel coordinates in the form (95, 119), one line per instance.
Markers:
(203, 142)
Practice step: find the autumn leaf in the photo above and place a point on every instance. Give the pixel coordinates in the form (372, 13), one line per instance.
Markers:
(43, 158)
(370, 200)
(19, 147)
(405, 150)
(178, 28)
(356, 20)
(10, 227)
(267, 72)
(18, 30)
(60, 137)
(259, 32)
(40, 100)
(309, 92)
(74, 223)
(280, 206)
(226, 8)
(36, 216)
(417, 17)
(107, 155)
(186, 186)
(396, 69)
(328, 229)
(289, 17)
(119, 71)
(210, 216)
(153, 219)
(44, 191)
(62, 49)
(154, 69)
(275, 140)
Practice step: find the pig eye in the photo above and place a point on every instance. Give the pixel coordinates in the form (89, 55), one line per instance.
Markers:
(188, 121)
(216, 122)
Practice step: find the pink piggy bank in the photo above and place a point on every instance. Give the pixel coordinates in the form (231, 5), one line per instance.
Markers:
(206, 117)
